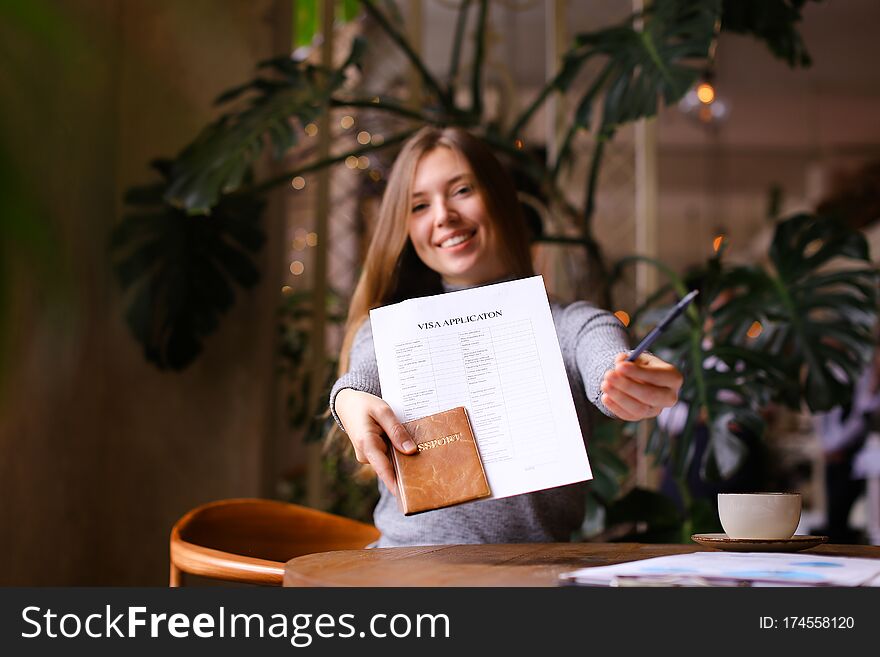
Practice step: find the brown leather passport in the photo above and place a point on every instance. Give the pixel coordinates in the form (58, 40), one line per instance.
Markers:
(446, 470)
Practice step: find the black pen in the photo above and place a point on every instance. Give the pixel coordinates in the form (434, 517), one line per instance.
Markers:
(662, 326)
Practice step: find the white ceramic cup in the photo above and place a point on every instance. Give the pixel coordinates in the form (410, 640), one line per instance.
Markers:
(763, 516)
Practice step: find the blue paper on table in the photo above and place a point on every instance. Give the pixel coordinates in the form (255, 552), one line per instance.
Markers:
(733, 569)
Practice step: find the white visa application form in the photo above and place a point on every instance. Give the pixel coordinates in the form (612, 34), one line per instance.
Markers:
(493, 350)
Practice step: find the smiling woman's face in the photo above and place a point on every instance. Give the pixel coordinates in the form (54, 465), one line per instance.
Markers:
(449, 224)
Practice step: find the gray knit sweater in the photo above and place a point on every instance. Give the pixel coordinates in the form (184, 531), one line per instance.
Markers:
(589, 339)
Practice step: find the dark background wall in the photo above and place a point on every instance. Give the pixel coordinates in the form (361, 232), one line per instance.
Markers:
(99, 451)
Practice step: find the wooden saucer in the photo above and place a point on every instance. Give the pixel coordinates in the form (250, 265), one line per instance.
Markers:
(724, 542)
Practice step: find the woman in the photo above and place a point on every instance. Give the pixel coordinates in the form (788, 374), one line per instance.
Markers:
(449, 220)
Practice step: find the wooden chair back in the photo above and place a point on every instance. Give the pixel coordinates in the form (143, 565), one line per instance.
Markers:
(249, 540)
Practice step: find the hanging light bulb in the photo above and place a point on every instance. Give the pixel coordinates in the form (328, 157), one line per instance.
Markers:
(705, 93)
(703, 103)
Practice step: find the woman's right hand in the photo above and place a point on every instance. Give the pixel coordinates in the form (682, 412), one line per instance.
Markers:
(367, 419)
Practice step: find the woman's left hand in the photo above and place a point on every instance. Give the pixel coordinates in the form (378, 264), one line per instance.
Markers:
(641, 389)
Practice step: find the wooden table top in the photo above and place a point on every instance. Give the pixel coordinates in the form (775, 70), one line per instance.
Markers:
(529, 564)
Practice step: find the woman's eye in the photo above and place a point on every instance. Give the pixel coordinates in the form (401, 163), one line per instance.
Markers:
(463, 190)
(418, 207)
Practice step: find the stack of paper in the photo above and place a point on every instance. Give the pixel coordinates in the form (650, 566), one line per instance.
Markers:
(493, 350)
(733, 569)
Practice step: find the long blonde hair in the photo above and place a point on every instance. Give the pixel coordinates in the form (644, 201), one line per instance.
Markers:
(392, 271)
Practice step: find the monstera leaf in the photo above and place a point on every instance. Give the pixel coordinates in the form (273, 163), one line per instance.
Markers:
(182, 268)
(640, 65)
(657, 61)
(772, 21)
(662, 60)
(817, 309)
(801, 332)
(222, 155)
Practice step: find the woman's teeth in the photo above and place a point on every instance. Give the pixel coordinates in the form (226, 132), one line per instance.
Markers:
(454, 241)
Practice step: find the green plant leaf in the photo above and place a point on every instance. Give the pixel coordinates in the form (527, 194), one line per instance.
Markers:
(604, 484)
(609, 470)
(771, 21)
(815, 315)
(823, 309)
(646, 65)
(221, 157)
(181, 269)
(662, 60)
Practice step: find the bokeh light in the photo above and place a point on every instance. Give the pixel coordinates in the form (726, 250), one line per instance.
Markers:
(706, 93)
